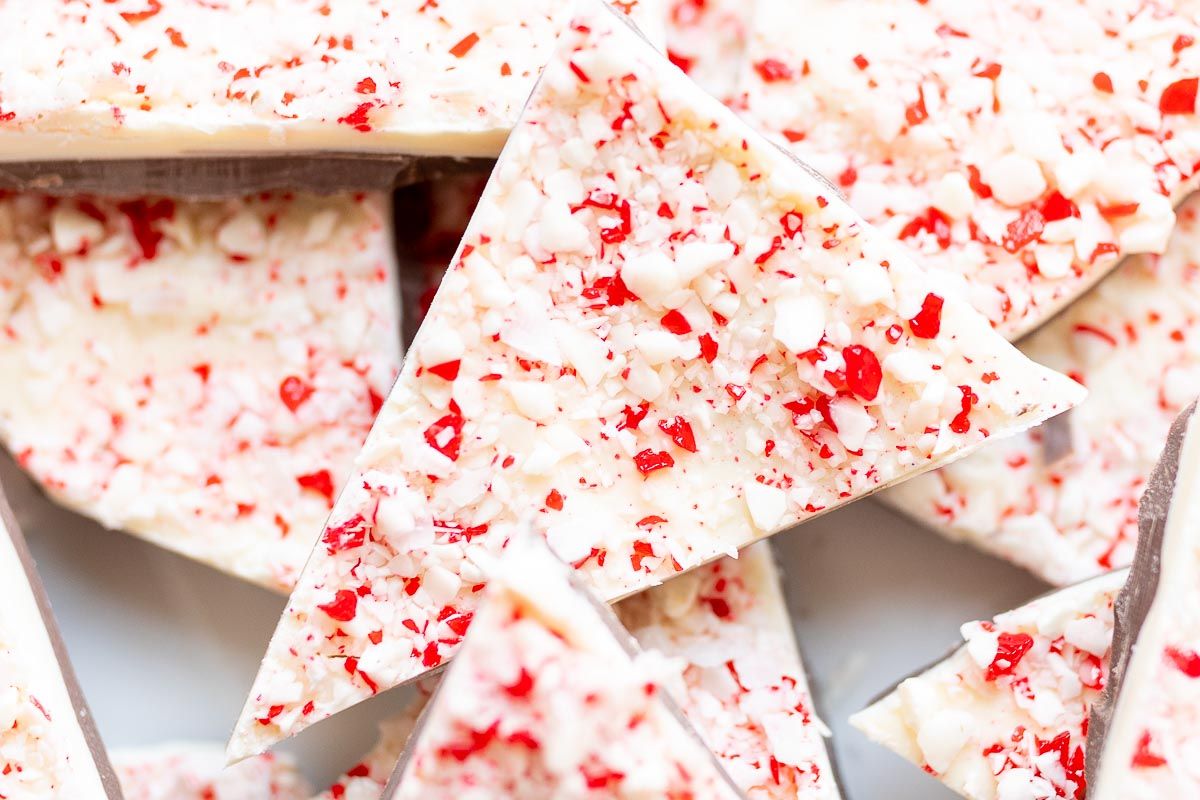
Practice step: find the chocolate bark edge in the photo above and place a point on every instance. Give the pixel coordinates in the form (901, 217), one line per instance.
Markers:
(1134, 602)
(210, 177)
(83, 714)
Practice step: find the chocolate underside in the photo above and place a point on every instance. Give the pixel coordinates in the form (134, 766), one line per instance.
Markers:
(1134, 602)
(206, 177)
(83, 714)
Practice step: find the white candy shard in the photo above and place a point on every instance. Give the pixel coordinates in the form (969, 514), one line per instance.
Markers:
(49, 747)
(1005, 715)
(707, 40)
(1149, 749)
(740, 682)
(544, 701)
(143, 78)
(197, 771)
(641, 470)
(199, 374)
(1133, 341)
(1020, 147)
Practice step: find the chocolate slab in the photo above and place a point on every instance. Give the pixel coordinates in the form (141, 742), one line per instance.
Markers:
(1134, 601)
(206, 177)
(83, 714)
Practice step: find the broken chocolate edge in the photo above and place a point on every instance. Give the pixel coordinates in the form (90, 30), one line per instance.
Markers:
(83, 714)
(1134, 602)
(212, 177)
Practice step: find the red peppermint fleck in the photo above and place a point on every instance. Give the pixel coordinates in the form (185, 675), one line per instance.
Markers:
(648, 461)
(676, 323)
(1023, 230)
(153, 7)
(634, 416)
(1144, 757)
(343, 607)
(523, 685)
(641, 550)
(350, 534)
(1010, 649)
(609, 291)
(272, 713)
(1186, 661)
(680, 432)
(445, 435)
(365, 86)
(320, 482)
(928, 321)
(981, 189)
(447, 370)
(772, 70)
(1182, 42)
(719, 607)
(931, 221)
(1179, 97)
(431, 657)
(684, 63)
(863, 373)
(989, 71)
(1056, 207)
(708, 348)
(464, 45)
(962, 421)
(1102, 82)
(554, 500)
(358, 118)
(293, 391)
(861, 62)
(916, 113)
(142, 218)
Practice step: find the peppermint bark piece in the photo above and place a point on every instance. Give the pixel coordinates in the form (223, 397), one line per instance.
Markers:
(49, 745)
(742, 683)
(1005, 716)
(736, 675)
(707, 40)
(1073, 515)
(1021, 147)
(1145, 734)
(200, 374)
(136, 79)
(197, 771)
(548, 699)
(664, 339)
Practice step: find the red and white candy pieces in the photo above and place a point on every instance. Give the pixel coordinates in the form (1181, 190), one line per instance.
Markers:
(661, 339)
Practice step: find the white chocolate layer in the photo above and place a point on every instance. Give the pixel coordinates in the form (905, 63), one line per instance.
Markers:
(44, 754)
(662, 338)
(545, 702)
(1153, 739)
(144, 78)
(1005, 716)
(1134, 341)
(191, 771)
(199, 374)
(1020, 147)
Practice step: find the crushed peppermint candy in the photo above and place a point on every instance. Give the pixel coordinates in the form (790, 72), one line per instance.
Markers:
(1134, 341)
(1021, 148)
(49, 747)
(738, 680)
(197, 771)
(707, 40)
(200, 374)
(759, 319)
(143, 78)
(545, 701)
(1148, 725)
(1005, 717)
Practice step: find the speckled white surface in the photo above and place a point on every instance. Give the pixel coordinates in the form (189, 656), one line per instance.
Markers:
(166, 649)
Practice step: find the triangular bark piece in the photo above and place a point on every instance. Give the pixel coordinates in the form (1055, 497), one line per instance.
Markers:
(200, 374)
(1145, 731)
(1070, 512)
(197, 771)
(548, 699)
(737, 677)
(1020, 148)
(1006, 714)
(664, 339)
(49, 745)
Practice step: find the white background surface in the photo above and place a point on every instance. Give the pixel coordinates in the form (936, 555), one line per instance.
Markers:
(166, 649)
